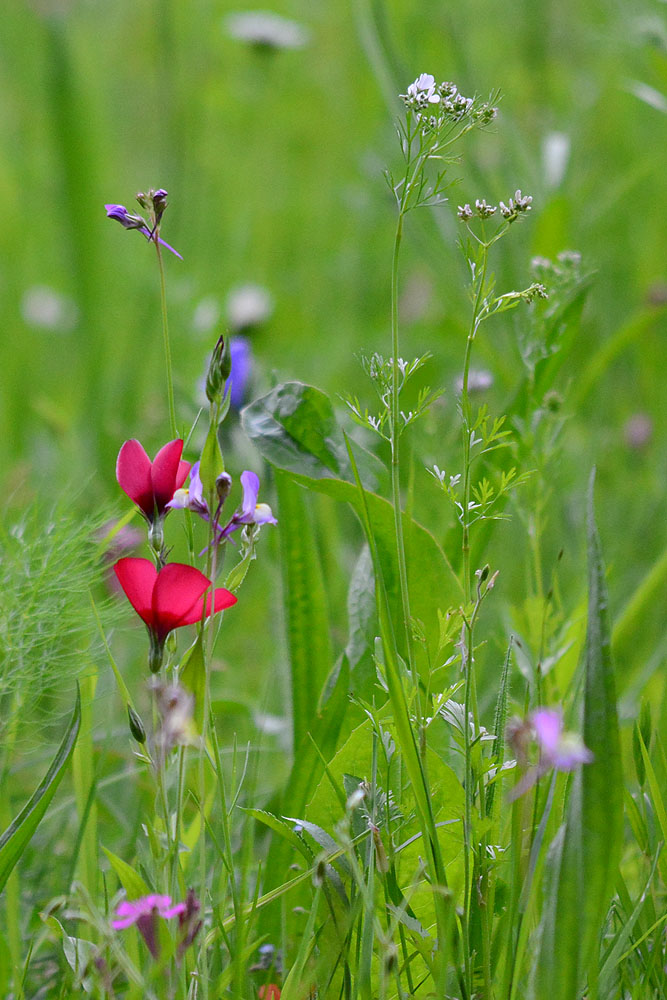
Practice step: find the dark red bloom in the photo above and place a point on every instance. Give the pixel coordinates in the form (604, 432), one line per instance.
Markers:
(151, 484)
(168, 598)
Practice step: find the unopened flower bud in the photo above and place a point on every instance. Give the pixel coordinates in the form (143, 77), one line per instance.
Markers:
(219, 370)
(223, 486)
(320, 871)
(144, 200)
(159, 199)
(136, 725)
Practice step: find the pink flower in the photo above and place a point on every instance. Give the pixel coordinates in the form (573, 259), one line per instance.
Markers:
(168, 598)
(151, 484)
(558, 748)
(145, 913)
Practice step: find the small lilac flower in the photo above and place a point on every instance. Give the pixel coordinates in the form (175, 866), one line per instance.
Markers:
(559, 749)
(129, 221)
(250, 512)
(241, 357)
(145, 913)
(191, 498)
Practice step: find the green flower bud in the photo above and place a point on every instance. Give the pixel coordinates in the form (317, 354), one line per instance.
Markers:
(136, 725)
(219, 370)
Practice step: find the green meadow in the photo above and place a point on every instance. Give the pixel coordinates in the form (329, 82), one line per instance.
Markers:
(423, 754)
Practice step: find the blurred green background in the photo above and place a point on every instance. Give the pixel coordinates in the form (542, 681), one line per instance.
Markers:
(273, 160)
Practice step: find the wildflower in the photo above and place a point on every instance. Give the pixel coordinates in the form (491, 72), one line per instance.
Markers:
(168, 598)
(518, 204)
(189, 921)
(248, 306)
(176, 707)
(483, 210)
(559, 749)
(638, 431)
(191, 498)
(151, 485)
(464, 213)
(269, 992)
(129, 221)
(266, 30)
(250, 511)
(423, 91)
(46, 309)
(145, 913)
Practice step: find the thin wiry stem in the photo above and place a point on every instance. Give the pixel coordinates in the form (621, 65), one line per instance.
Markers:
(165, 340)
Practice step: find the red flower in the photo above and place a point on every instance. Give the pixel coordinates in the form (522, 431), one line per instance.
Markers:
(168, 599)
(151, 484)
(269, 992)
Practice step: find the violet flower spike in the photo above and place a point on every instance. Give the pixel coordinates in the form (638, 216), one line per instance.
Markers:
(250, 512)
(129, 221)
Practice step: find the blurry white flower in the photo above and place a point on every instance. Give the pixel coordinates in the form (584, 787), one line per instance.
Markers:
(555, 154)
(248, 305)
(206, 315)
(264, 28)
(479, 380)
(43, 307)
(638, 431)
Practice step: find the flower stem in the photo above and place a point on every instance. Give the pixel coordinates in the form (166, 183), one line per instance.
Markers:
(165, 339)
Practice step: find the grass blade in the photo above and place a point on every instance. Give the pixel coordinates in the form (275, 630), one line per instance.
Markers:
(18, 834)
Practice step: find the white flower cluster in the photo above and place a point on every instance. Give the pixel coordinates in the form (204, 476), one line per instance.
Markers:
(445, 104)
(517, 206)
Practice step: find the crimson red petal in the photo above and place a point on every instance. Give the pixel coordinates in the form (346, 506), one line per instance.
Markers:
(223, 599)
(182, 475)
(138, 577)
(165, 472)
(133, 472)
(177, 591)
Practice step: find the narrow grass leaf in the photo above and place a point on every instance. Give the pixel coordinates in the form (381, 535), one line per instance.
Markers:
(601, 832)
(18, 834)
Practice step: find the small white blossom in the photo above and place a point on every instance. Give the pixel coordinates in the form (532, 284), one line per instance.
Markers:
(423, 90)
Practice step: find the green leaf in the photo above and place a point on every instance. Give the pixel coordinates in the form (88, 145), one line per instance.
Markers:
(211, 464)
(585, 854)
(306, 611)
(131, 881)
(18, 834)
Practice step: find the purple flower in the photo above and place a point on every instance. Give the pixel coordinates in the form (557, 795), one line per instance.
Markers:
(145, 913)
(559, 749)
(241, 357)
(250, 511)
(129, 221)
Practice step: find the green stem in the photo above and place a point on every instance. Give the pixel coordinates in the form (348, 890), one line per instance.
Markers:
(467, 637)
(395, 448)
(165, 339)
